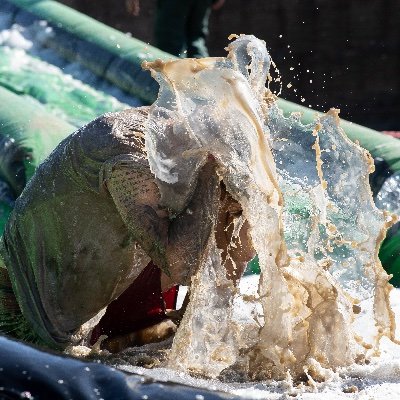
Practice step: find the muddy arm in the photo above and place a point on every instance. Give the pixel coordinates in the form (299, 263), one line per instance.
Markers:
(175, 245)
(189, 232)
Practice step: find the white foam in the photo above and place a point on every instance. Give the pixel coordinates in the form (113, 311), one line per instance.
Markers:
(380, 380)
(32, 40)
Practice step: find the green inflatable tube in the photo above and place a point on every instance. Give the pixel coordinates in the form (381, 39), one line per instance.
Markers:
(117, 50)
(34, 129)
(25, 126)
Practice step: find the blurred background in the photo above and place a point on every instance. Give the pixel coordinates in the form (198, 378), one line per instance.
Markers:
(330, 53)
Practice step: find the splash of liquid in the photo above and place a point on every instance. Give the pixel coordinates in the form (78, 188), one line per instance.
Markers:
(304, 190)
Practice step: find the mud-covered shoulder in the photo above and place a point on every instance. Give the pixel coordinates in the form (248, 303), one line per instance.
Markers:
(76, 162)
(112, 134)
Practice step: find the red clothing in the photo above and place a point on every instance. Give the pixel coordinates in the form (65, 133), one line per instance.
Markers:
(140, 306)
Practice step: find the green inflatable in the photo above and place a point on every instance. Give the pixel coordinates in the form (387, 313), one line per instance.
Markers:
(27, 136)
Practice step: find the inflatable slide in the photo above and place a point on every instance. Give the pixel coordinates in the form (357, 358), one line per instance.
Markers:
(60, 69)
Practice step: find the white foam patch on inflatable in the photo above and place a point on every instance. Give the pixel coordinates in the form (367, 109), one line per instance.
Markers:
(30, 41)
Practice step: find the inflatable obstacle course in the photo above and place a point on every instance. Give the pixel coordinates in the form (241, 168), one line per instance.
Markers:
(117, 57)
(55, 91)
(21, 121)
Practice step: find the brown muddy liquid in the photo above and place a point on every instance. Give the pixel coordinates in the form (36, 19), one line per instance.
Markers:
(305, 193)
(312, 293)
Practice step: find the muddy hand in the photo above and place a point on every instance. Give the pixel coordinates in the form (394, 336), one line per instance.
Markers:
(152, 334)
(189, 231)
(237, 248)
(177, 315)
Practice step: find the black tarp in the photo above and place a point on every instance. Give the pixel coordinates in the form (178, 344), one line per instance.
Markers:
(29, 373)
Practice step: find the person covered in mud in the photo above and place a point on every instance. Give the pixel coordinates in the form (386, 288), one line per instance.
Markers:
(91, 250)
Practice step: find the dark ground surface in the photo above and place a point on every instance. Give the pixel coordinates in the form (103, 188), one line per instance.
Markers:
(28, 373)
(350, 48)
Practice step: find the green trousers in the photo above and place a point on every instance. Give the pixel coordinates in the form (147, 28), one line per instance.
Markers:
(181, 27)
(389, 255)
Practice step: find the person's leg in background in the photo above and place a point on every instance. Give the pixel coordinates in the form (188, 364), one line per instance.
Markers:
(197, 28)
(170, 23)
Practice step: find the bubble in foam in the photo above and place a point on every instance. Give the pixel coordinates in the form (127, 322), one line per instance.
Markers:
(304, 190)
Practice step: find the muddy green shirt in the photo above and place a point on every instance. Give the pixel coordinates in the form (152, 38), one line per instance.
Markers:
(68, 247)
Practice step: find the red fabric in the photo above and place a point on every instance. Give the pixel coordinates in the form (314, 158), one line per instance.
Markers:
(140, 306)
(170, 297)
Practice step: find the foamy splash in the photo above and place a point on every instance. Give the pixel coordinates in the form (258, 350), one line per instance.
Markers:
(304, 191)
